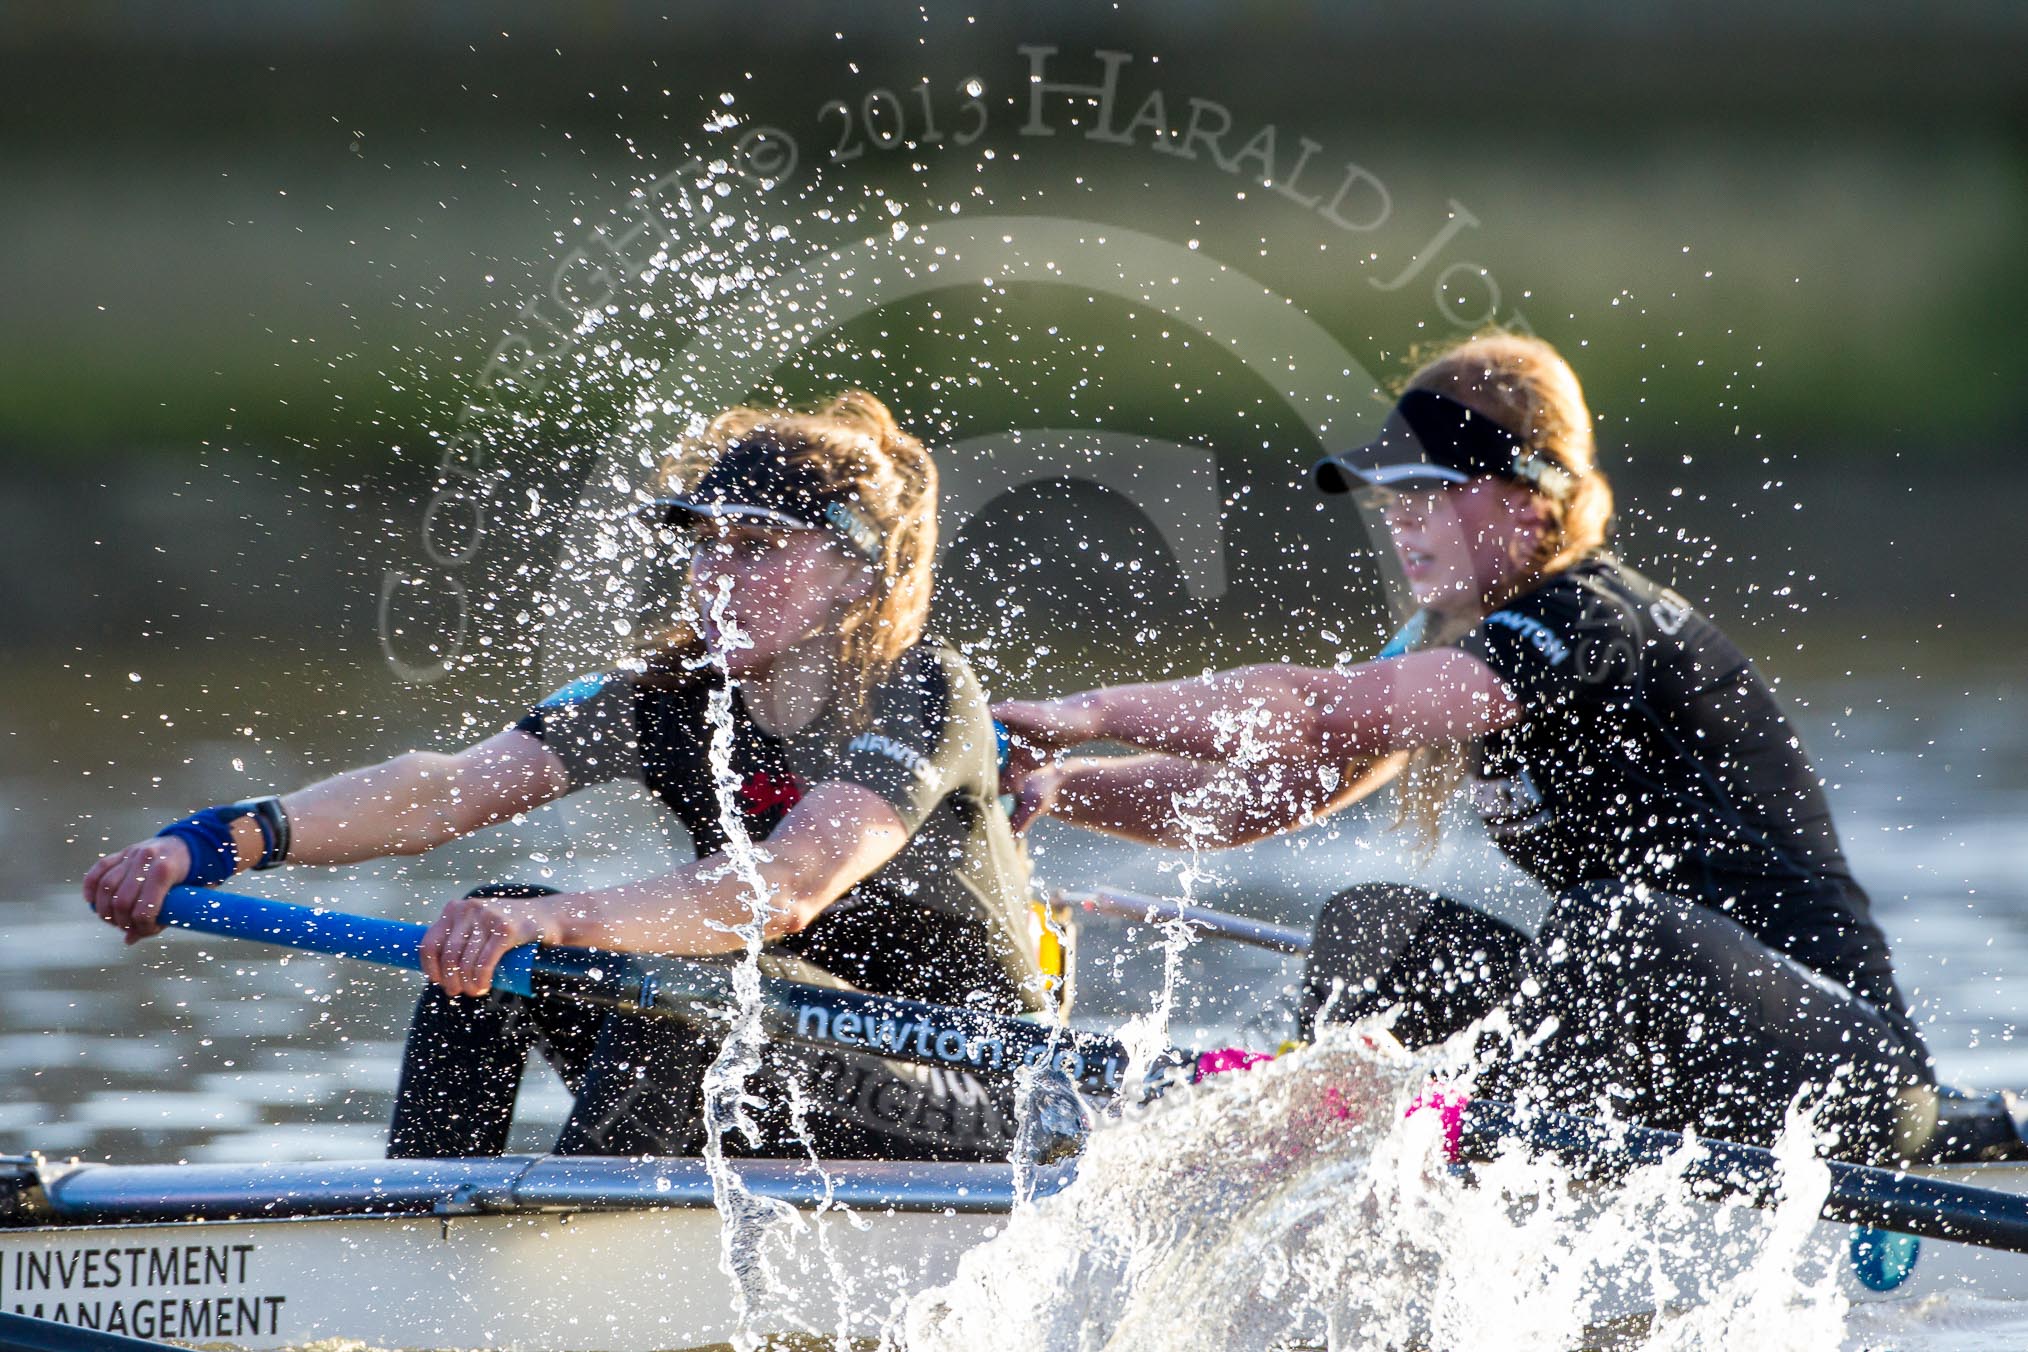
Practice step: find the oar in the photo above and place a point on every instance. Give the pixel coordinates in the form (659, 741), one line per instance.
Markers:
(937, 1035)
(906, 1030)
(1883, 1198)
(1218, 924)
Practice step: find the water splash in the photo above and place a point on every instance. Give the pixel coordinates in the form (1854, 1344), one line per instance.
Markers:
(1146, 1035)
(746, 1219)
(844, 1289)
(1299, 1206)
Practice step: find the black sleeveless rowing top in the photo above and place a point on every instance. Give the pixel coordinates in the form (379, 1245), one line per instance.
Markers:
(944, 920)
(1650, 750)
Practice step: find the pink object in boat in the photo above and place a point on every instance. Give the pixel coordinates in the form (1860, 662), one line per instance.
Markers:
(1227, 1059)
(1450, 1108)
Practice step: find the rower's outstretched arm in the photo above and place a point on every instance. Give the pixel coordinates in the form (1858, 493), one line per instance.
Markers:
(1286, 714)
(402, 806)
(420, 800)
(1181, 803)
(838, 834)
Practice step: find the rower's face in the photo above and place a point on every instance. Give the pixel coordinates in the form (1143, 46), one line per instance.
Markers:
(776, 587)
(1464, 543)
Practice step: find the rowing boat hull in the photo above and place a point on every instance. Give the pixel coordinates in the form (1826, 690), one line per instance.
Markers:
(612, 1255)
(620, 1281)
(599, 1255)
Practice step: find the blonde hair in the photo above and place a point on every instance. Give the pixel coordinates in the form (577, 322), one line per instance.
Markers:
(1522, 383)
(853, 443)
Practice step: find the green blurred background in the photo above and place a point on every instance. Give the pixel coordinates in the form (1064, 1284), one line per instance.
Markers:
(238, 216)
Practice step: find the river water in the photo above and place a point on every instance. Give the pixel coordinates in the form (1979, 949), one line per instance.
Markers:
(187, 1049)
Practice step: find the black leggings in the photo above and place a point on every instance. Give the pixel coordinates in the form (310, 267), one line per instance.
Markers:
(639, 1086)
(1664, 1011)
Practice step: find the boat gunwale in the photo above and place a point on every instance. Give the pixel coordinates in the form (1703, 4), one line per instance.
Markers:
(83, 1195)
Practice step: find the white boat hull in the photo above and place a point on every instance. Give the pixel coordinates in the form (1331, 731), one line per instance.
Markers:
(594, 1256)
(629, 1281)
(1870, 1265)
(598, 1255)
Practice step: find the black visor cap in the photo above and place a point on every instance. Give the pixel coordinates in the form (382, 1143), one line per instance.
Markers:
(758, 480)
(1429, 440)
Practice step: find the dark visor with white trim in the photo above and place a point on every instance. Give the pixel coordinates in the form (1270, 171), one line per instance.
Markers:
(758, 480)
(1430, 440)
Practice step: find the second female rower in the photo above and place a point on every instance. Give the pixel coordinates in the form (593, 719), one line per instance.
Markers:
(864, 758)
(1708, 955)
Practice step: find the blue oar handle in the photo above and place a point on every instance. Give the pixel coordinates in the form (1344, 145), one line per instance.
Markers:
(391, 943)
(964, 1038)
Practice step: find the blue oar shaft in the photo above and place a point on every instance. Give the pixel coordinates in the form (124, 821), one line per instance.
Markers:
(390, 943)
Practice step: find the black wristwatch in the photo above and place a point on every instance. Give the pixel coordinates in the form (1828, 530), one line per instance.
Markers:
(274, 824)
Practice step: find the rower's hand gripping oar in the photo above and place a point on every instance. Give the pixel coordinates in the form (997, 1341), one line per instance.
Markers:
(527, 970)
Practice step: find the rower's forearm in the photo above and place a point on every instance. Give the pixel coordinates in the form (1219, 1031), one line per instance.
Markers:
(1180, 803)
(687, 913)
(1187, 803)
(403, 806)
(1251, 711)
(1133, 797)
(837, 835)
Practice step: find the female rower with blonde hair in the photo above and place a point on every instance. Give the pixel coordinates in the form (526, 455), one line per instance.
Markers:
(860, 752)
(1708, 955)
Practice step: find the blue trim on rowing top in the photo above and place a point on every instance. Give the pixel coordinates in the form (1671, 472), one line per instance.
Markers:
(577, 692)
(1405, 637)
